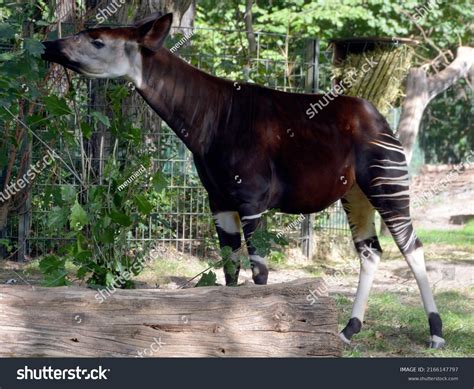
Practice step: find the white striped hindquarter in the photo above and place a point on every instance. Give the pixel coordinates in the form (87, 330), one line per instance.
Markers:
(383, 184)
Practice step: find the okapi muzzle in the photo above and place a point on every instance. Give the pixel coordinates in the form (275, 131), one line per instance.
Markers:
(54, 53)
(256, 149)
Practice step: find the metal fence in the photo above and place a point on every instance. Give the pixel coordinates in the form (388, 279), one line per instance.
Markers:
(289, 63)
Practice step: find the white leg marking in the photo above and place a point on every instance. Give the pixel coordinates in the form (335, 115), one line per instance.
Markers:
(258, 259)
(416, 261)
(436, 338)
(250, 217)
(343, 338)
(369, 262)
(228, 221)
(437, 342)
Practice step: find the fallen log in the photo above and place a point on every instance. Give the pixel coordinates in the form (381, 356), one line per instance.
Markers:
(279, 320)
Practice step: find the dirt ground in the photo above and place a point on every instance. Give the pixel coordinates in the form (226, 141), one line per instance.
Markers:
(440, 192)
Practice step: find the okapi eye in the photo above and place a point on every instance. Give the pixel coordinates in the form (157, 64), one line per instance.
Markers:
(98, 44)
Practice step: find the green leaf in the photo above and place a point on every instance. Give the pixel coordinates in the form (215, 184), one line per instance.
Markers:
(78, 217)
(58, 217)
(86, 130)
(262, 241)
(207, 279)
(56, 105)
(100, 117)
(33, 47)
(57, 278)
(83, 256)
(143, 205)
(42, 23)
(82, 271)
(50, 263)
(54, 271)
(4, 155)
(120, 218)
(8, 56)
(6, 31)
(245, 262)
(109, 279)
(107, 235)
(119, 267)
(159, 181)
(68, 194)
(6, 243)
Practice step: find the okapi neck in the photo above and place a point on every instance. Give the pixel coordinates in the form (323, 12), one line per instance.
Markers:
(190, 101)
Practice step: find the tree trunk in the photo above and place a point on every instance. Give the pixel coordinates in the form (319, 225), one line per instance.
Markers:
(421, 89)
(144, 8)
(249, 28)
(247, 321)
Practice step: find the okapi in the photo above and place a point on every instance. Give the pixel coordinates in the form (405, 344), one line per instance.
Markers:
(255, 149)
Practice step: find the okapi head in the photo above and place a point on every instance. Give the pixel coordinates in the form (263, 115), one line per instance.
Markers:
(110, 52)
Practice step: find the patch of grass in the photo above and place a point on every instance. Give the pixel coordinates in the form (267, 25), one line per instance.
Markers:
(161, 271)
(396, 325)
(463, 237)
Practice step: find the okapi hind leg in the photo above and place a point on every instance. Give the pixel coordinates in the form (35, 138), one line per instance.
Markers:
(360, 214)
(258, 264)
(382, 174)
(228, 232)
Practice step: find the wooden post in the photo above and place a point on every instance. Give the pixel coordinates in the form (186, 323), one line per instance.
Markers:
(311, 86)
(3, 215)
(294, 319)
(24, 217)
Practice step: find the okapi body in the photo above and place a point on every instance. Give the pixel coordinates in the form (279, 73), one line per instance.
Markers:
(256, 148)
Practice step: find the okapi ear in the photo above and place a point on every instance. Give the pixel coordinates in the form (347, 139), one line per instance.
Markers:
(152, 34)
(148, 20)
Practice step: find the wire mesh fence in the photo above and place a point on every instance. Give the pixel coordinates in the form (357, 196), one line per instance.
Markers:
(181, 216)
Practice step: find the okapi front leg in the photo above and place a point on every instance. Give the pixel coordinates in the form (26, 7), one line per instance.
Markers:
(258, 264)
(228, 231)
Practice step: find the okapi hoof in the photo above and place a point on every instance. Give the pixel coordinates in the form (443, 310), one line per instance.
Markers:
(437, 342)
(231, 280)
(261, 279)
(259, 273)
(353, 327)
